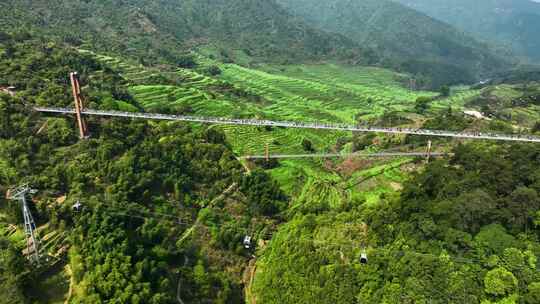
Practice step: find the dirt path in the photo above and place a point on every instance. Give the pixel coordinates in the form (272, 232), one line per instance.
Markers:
(246, 167)
(189, 231)
(231, 188)
(179, 287)
(71, 283)
(249, 275)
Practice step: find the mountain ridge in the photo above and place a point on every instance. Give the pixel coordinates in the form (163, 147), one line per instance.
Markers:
(403, 37)
(165, 29)
(512, 24)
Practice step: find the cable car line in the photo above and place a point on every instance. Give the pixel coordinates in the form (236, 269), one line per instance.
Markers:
(403, 253)
(247, 241)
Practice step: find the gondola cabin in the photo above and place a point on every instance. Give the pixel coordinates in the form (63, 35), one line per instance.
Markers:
(363, 258)
(247, 242)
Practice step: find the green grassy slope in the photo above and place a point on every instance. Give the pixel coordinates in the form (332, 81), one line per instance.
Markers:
(517, 103)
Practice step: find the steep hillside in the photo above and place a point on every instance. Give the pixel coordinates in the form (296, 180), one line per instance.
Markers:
(165, 206)
(513, 23)
(165, 29)
(403, 37)
(455, 235)
(283, 31)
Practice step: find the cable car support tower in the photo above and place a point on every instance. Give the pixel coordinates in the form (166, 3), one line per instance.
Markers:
(32, 239)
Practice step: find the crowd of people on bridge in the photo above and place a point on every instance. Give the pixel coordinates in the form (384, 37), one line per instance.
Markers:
(286, 124)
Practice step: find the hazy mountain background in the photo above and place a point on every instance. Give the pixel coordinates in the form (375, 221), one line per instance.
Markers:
(360, 32)
(403, 37)
(514, 24)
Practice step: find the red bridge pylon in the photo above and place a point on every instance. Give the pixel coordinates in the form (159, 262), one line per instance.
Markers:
(79, 106)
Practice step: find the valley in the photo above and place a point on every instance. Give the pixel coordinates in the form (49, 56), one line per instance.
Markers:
(264, 152)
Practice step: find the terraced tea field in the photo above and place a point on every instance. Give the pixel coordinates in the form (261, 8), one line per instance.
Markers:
(368, 183)
(458, 100)
(326, 92)
(200, 102)
(305, 98)
(132, 72)
(252, 140)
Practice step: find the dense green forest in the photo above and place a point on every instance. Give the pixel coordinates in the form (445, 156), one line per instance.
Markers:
(164, 30)
(147, 223)
(124, 175)
(37, 67)
(126, 172)
(464, 230)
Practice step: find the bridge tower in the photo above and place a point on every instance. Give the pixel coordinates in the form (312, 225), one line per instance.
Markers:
(79, 106)
(428, 151)
(412, 84)
(32, 239)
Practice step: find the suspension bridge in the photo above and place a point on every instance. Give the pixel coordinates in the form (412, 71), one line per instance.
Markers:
(345, 155)
(290, 124)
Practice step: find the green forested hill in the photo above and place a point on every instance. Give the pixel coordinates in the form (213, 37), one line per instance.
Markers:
(165, 29)
(465, 230)
(402, 37)
(514, 24)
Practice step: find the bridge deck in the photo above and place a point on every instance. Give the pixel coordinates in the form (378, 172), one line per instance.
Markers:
(298, 125)
(336, 155)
